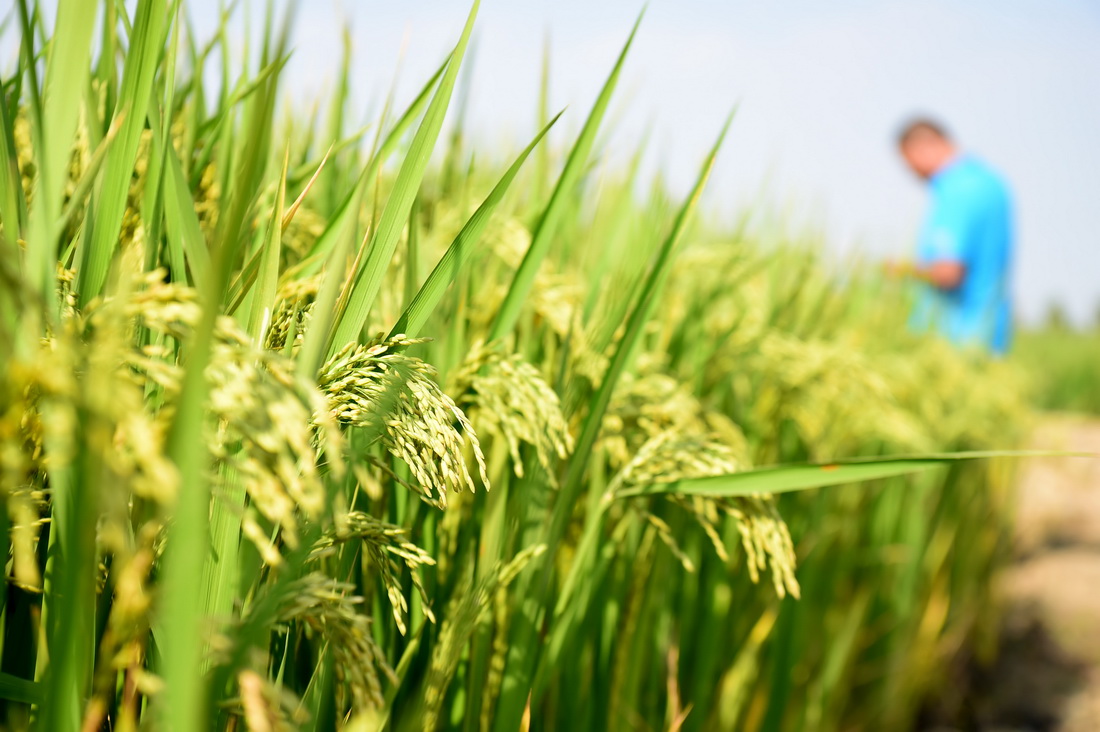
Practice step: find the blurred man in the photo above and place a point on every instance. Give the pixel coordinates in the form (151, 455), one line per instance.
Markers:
(964, 252)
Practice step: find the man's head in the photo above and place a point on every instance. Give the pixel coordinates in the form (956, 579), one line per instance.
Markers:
(926, 147)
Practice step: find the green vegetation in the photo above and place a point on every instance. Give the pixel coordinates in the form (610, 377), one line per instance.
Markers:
(244, 491)
(1064, 365)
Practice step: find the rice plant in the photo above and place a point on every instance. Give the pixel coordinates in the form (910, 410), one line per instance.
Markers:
(1061, 362)
(306, 427)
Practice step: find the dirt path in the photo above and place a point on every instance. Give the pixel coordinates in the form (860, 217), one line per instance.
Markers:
(1048, 673)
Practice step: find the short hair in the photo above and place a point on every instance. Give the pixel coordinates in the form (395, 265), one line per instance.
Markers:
(921, 126)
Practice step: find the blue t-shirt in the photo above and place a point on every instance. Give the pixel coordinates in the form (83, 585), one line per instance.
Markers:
(970, 221)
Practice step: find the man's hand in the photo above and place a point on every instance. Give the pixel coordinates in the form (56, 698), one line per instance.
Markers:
(945, 275)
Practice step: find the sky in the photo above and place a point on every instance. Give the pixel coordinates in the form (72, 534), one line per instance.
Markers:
(820, 90)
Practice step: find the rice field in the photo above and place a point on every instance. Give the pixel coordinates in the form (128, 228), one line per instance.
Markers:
(312, 425)
(1062, 364)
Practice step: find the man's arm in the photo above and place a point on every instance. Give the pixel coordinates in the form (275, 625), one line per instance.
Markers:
(955, 215)
(945, 275)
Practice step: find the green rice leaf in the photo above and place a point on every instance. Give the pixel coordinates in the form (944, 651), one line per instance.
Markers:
(368, 278)
(342, 219)
(575, 165)
(66, 70)
(16, 689)
(430, 293)
(790, 478)
(138, 74)
(263, 299)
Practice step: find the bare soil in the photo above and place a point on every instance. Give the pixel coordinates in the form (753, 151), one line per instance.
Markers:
(1047, 674)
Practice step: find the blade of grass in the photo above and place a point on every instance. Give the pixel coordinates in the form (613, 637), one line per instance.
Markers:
(289, 215)
(542, 159)
(430, 293)
(575, 165)
(16, 689)
(13, 206)
(138, 74)
(316, 337)
(349, 208)
(55, 129)
(87, 179)
(152, 207)
(411, 264)
(242, 285)
(186, 241)
(330, 184)
(368, 278)
(215, 127)
(787, 478)
(263, 301)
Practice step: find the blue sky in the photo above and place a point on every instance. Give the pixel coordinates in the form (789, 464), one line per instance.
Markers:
(821, 88)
